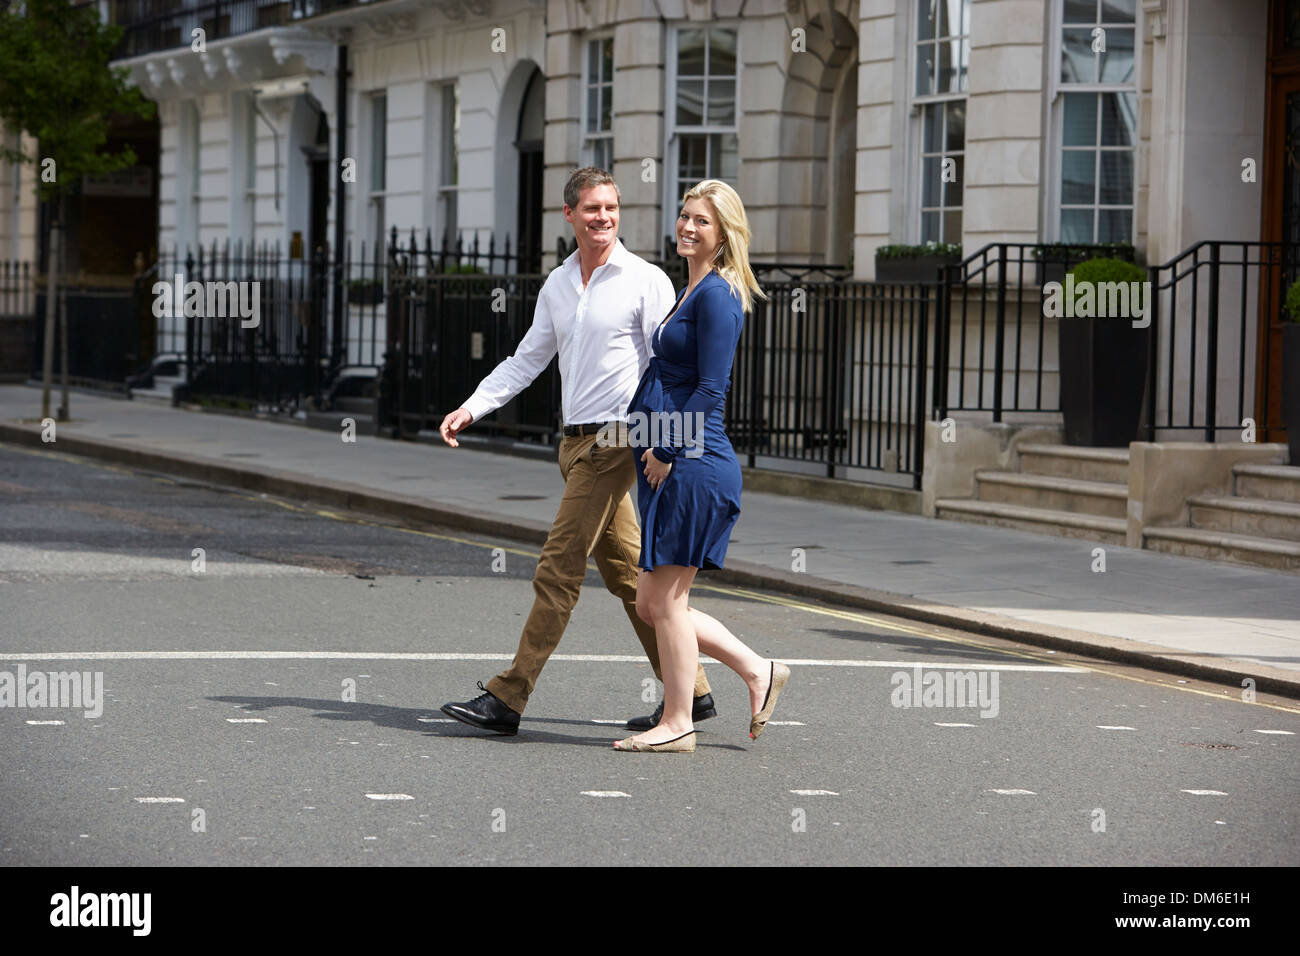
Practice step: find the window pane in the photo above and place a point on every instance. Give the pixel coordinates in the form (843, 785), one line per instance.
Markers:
(1117, 61)
(1078, 62)
(606, 106)
(722, 53)
(950, 66)
(722, 102)
(593, 108)
(1118, 119)
(690, 53)
(691, 160)
(952, 226)
(931, 186)
(925, 69)
(1116, 225)
(726, 157)
(1080, 11)
(924, 20)
(1080, 119)
(1116, 178)
(963, 65)
(930, 227)
(690, 102)
(948, 13)
(593, 61)
(956, 138)
(952, 191)
(1076, 225)
(607, 60)
(1119, 11)
(932, 128)
(601, 153)
(1078, 171)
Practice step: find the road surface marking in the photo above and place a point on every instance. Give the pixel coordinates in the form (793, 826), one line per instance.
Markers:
(1007, 793)
(786, 723)
(45, 723)
(390, 796)
(1289, 733)
(1205, 793)
(1114, 727)
(937, 724)
(414, 656)
(245, 720)
(437, 720)
(618, 722)
(159, 799)
(815, 793)
(605, 793)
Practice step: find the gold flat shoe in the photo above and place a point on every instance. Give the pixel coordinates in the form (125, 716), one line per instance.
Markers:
(780, 674)
(685, 744)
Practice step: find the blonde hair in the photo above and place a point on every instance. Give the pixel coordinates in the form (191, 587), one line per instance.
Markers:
(732, 258)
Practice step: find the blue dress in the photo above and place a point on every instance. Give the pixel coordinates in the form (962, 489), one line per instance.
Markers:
(688, 519)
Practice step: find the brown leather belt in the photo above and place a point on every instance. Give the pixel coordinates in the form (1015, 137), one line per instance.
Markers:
(579, 431)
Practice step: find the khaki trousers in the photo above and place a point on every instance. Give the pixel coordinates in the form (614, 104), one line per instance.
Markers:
(596, 518)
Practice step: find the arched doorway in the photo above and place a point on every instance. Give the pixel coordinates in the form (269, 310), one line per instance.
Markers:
(518, 166)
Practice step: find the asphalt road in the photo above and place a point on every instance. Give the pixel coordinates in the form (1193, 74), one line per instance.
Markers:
(280, 706)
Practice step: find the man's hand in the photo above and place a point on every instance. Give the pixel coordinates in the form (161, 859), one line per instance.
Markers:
(655, 470)
(453, 424)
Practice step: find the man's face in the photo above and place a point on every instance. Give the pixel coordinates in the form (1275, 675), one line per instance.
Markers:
(595, 221)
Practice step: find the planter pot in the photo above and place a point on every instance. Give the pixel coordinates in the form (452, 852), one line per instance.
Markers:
(1291, 387)
(1103, 366)
(1050, 272)
(912, 270)
(367, 294)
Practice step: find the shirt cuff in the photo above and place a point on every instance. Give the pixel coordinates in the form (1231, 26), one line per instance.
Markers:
(665, 455)
(477, 407)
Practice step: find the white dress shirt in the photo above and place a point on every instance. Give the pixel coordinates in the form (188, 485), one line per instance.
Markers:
(602, 334)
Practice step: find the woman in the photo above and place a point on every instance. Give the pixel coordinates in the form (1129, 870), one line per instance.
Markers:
(688, 486)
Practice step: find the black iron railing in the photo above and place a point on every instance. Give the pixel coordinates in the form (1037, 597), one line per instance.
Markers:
(1216, 317)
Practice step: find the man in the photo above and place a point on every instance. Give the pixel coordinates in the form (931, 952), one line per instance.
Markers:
(597, 310)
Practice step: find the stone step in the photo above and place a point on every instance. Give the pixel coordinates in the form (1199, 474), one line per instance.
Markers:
(1275, 482)
(1066, 461)
(1225, 546)
(1065, 524)
(1104, 498)
(1258, 517)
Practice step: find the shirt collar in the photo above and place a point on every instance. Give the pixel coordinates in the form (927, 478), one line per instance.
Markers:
(618, 257)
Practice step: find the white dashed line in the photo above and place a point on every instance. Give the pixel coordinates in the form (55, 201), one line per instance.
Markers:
(1205, 793)
(815, 793)
(786, 723)
(1114, 727)
(437, 720)
(245, 720)
(1011, 793)
(937, 724)
(604, 793)
(159, 799)
(612, 722)
(1289, 733)
(390, 796)
(46, 723)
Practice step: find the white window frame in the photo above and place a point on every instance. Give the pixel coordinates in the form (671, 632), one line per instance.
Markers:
(588, 138)
(447, 189)
(916, 129)
(671, 132)
(376, 199)
(1051, 229)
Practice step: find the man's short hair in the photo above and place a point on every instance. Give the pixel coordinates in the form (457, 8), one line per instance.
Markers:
(584, 179)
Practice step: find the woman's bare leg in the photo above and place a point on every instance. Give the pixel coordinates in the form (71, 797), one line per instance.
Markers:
(665, 592)
(719, 643)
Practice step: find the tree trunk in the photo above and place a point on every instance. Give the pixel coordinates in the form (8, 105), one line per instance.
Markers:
(51, 299)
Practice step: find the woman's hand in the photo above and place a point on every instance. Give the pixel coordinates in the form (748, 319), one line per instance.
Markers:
(655, 470)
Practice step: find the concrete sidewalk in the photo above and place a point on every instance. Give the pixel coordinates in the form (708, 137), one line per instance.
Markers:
(1214, 621)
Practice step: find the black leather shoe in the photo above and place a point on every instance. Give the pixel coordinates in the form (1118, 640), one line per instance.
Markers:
(486, 711)
(701, 709)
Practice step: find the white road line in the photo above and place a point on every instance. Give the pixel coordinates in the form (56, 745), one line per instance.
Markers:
(1289, 733)
(1008, 793)
(1114, 727)
(159, 799)
(937, 724)
(786, 723)
(245, 720)
(571, 658)
(437, 720)
(390, 796)
(613, 722)
(604, 793)
(45, 723)
(815, 793)
(1205, 793)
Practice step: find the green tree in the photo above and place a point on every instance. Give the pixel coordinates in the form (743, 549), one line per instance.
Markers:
(57, 87)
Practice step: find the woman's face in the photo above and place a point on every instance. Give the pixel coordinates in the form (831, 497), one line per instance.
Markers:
(698, 236)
